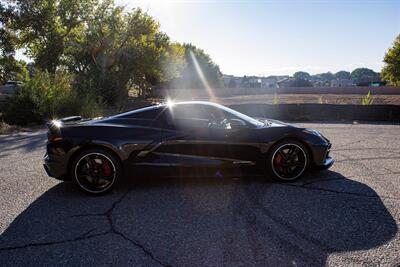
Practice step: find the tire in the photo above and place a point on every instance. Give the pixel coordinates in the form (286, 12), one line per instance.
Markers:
(286, 166)
(95, 171)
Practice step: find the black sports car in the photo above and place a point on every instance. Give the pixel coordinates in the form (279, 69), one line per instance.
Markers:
(186, 138)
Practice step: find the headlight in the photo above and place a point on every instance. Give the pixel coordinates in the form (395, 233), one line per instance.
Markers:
(313, 132)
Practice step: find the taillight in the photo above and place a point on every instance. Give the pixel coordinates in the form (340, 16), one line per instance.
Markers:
(54, 137)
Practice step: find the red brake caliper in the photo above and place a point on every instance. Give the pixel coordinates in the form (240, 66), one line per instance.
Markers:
(106, 169)
(278, 159)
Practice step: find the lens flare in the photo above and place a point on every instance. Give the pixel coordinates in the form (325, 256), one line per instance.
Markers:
(170, 102)
(202, 77)
(56, 123)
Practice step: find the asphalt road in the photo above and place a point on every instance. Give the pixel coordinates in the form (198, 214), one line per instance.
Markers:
(349, 215)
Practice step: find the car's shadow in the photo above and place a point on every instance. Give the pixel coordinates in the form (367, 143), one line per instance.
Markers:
(213, 221)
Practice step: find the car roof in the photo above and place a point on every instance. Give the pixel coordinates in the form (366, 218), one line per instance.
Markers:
(162, 106)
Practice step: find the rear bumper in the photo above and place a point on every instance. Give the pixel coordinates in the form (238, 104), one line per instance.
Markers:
(53, 168)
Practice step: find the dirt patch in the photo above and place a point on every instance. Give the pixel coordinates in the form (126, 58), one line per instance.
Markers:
(9, 129)
(303, 99)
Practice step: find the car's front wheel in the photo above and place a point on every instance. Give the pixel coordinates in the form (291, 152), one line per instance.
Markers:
(95, 171)
(287, 161)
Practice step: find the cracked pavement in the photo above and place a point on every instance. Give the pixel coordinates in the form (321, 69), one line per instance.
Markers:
(348, 215)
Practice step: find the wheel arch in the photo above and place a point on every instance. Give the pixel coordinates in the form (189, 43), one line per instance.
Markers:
(301, 141)
(88, 147)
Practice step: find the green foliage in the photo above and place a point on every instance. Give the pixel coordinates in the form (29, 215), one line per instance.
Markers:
(302, 75)
(323, 79)
(119, 51)
(45, 28)
(367, 100)
(199, 72)
(9, 67)
(391, 70)
(45, 96)
(108, 50)
(327, 76)
(276, 100)
(363, 72)
(342, 75)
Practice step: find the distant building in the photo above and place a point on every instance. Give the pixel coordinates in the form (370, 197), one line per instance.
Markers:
(284, 82)
(252, 81)
(227, 79)
(231, 81)
(269, 82)
(294, 82)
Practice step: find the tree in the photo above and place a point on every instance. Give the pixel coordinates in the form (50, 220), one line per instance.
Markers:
(9, 67)
(391, 69)
(302, 75)
(44, 28)
(200, 71)
(327, 76)
(121, 50)
(363, 72)
(342, 75)
(107, 50)
(323, 79)
(299, 83)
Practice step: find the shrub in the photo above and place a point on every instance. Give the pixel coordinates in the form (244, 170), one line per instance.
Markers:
(47, 96)
(367, 100)
(276, 100)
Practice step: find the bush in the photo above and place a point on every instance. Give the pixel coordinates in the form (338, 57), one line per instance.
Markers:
(47, 96)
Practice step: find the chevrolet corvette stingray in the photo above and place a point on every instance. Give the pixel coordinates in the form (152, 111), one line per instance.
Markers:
(180, 139)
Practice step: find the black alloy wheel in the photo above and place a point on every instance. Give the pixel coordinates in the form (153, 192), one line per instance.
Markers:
(95, 171)
(288, 161)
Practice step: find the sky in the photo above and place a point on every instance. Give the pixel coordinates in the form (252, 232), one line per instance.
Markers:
(270, 37)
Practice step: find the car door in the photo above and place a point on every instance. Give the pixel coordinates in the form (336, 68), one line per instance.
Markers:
(202, 141)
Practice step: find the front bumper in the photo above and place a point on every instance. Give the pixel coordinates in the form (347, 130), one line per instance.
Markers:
(322, 159)
(328, 162)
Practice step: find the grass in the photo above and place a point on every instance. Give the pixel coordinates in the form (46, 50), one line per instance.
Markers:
(276, 100)
(367, 100)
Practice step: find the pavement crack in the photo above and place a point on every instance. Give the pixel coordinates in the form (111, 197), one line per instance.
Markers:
(143, 248)
(113, 229)
(339, 192)
(84, 236)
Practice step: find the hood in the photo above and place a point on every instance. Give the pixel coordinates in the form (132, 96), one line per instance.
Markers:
(274, 123)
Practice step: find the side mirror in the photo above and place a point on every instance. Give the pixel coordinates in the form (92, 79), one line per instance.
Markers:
(237, 123)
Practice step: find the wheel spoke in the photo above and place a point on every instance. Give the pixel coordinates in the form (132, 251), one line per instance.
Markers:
(291, 162)
(284, 156)
(91, 173)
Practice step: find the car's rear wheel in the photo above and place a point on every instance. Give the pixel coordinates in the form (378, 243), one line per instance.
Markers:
(95, 171)
(287, 161)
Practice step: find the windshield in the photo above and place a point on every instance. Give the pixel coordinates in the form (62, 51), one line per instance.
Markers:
(247, 119)
(211, 112)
